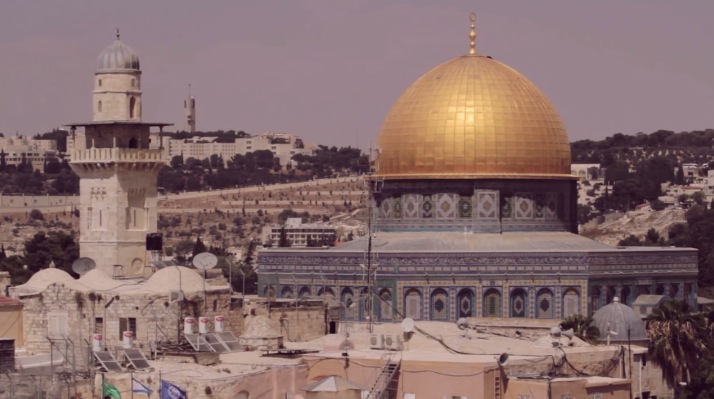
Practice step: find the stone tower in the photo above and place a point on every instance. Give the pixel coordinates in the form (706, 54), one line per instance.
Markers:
(189, 107)
(117, 169)
(117, 84)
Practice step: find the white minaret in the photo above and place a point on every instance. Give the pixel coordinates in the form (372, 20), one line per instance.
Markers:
(189, 107)
(117, 169)
(117, 84)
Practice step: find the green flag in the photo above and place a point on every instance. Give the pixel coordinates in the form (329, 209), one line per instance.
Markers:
(110, 391)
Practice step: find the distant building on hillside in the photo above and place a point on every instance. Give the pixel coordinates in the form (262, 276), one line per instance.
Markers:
(586, 171)
(35, 151)
(283, 146)
(301, 234)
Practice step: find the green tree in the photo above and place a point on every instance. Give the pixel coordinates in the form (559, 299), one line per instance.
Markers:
(582, 327)
(36, 214)
(677, 340)
(55, 246)
(198, 247)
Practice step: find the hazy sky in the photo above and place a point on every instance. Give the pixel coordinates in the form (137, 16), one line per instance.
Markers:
(329, 70)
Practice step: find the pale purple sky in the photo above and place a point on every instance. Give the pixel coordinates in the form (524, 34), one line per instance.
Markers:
(329, 70)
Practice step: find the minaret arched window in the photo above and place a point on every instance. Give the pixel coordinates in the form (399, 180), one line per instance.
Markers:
(132, 104)
(99, 106)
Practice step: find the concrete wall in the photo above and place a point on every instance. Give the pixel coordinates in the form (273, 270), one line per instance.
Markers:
(37, 201)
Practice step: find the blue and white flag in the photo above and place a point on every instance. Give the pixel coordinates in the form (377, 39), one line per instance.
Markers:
(171, 391)
(138, 387)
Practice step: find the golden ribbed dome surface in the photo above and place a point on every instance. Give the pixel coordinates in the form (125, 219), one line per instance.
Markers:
(473, 117)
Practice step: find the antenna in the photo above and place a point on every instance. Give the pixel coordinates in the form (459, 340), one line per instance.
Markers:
(82, 265)
(205, 261)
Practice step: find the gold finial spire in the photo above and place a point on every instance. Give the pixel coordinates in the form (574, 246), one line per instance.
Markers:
(472, 34)
(118, 35)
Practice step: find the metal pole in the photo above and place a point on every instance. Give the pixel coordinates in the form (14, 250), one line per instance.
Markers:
(370, 312)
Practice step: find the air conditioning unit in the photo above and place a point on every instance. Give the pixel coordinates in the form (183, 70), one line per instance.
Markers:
(376, 341)
(392, 342)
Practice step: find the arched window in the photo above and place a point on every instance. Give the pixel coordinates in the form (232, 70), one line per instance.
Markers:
(492, 303)
(327, 292)
(609, 294)
(132, 105)
(133, 83)
(99, 106)
(439, 305)
(304, 292)
(385, 305)
(133, 143)
(99, 83)
(571, 302)
(519, 303)
(625, 296)
(465, 303)
(286, 292)
(412, 304)
(349, 307)
(269, 291)
(545, 305)
(595, 299)
(243, 395)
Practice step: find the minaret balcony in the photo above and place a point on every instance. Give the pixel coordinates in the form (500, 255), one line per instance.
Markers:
(117, 155)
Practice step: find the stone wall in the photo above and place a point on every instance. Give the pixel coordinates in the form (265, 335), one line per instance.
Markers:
(60, 311)
(38, 201)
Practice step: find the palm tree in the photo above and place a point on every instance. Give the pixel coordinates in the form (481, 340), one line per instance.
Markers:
(678, 340)
(582, 327)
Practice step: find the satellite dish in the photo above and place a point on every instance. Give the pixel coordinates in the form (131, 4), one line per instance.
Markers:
(205, 261)
(503, 359)
(555, 332)
(462, 323)
(408, 325)
(569, 333)
(158, 265)
(82, 265)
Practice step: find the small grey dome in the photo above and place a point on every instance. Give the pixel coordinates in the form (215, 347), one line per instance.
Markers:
(118, 57)
(617, 318)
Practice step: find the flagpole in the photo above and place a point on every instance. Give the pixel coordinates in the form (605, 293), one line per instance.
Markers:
(132, 384)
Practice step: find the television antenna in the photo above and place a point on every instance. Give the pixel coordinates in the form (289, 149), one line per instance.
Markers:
(82, 265)
(205, 261)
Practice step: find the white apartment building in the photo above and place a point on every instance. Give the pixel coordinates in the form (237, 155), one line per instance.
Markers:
(35, 151)
(283, 146)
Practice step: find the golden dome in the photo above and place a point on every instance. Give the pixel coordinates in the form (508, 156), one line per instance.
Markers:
(473, 118)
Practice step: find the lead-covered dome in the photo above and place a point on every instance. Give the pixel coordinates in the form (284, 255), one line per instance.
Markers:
(473, 117)
(118, 57)
(618, 318)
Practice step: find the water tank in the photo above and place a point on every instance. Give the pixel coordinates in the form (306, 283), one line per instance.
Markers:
(203, 325)
(219, 323)
(97, 342)
(189, 324)
(128, 341)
